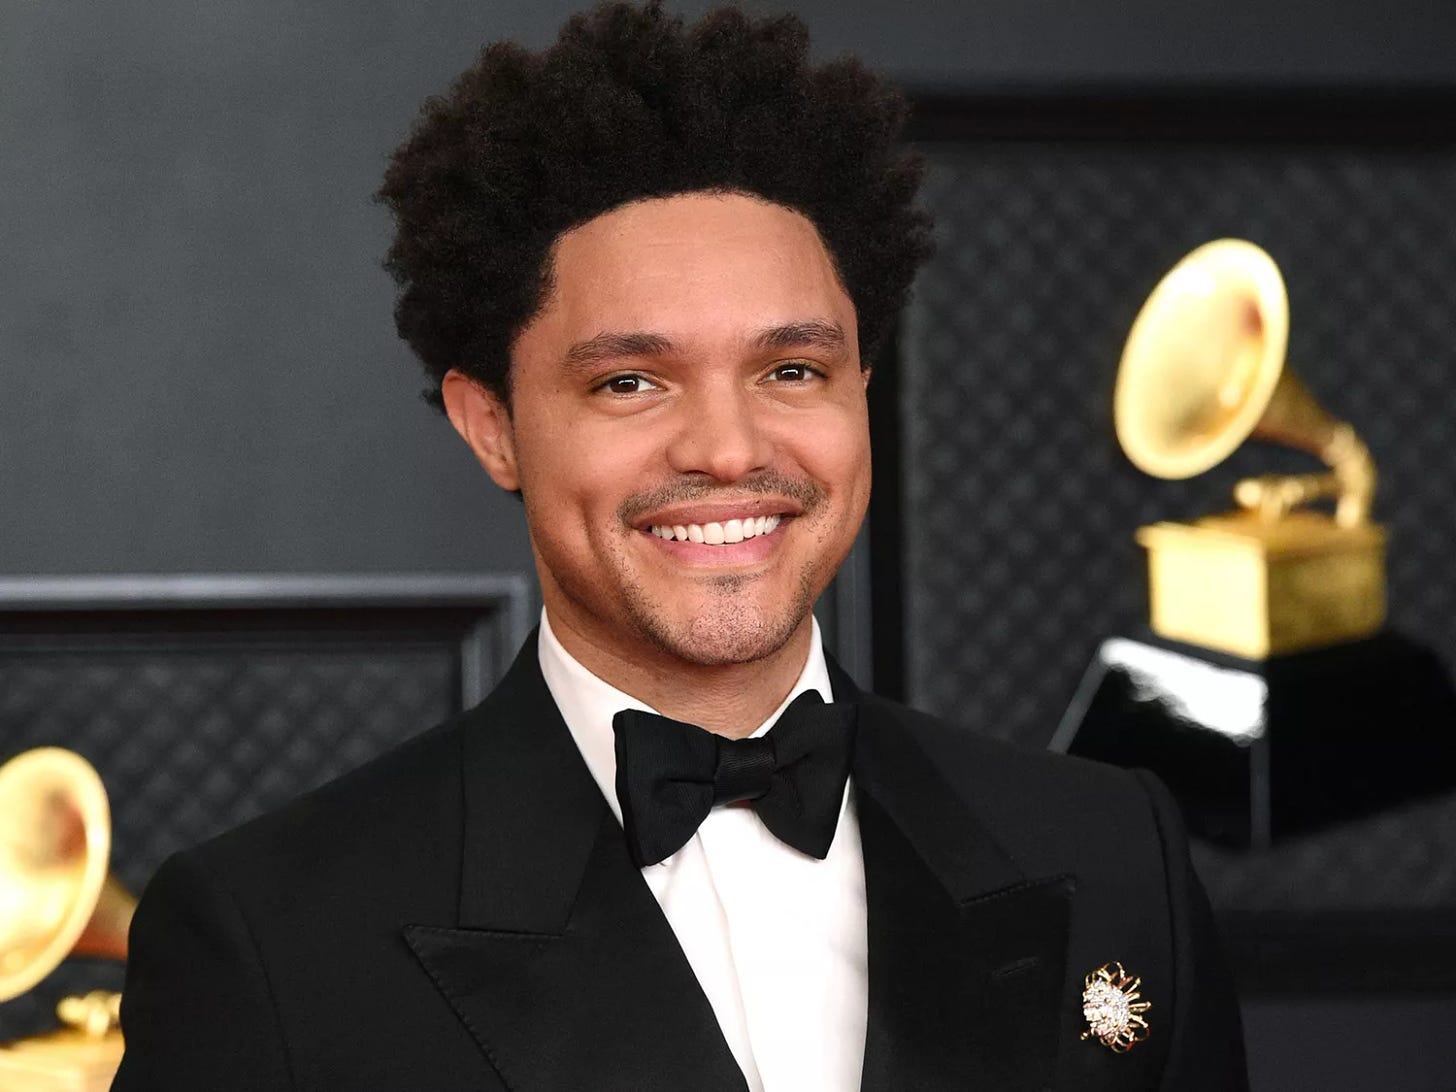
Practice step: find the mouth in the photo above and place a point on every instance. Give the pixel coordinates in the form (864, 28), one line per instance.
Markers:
(734, 536)
(727, 532)
(716, 530)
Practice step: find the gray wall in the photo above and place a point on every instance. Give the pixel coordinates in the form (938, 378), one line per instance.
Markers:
(197, 366)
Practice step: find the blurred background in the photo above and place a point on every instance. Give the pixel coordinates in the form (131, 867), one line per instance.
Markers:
(200, 382)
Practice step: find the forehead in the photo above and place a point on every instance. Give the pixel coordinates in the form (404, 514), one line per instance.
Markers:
(694, 265)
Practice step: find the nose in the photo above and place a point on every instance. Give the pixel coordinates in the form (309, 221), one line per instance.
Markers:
(721, 434)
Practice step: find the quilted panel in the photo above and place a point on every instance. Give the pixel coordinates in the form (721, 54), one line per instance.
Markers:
(1019, 509)
(192, 738)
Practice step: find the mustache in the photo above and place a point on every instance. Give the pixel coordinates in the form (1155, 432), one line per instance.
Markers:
(808, 494)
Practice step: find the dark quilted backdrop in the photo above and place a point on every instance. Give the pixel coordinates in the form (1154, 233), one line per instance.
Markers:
(1018, 509)
(195, 734)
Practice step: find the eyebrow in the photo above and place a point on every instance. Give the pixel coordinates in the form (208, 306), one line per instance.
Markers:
(611, 346)
(810, 333)
(813, 333)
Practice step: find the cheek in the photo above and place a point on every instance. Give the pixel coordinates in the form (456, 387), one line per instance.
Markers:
(577, 473)
(854, 468)
(837, 453)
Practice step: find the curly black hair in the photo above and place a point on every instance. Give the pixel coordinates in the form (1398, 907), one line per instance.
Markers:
(630, 104)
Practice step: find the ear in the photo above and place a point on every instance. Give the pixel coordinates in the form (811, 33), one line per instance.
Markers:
(864, 377)
(484, 423)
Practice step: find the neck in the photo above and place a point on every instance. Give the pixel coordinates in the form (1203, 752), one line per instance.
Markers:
(728, 699)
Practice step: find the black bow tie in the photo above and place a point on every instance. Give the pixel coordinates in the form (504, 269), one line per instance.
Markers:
(670, 774)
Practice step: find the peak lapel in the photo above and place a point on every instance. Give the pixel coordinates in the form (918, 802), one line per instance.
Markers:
(966, 954)
(563, 967)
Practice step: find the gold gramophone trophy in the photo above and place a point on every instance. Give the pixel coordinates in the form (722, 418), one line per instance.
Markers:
(1267, 694)
(58, 899)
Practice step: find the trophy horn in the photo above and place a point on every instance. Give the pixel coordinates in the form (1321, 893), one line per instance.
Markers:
(57, 897)
(1203, 371)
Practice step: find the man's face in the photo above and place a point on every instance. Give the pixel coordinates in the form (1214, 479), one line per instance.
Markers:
(694, 372)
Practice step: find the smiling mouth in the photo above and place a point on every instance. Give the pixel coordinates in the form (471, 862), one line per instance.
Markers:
(725, 533)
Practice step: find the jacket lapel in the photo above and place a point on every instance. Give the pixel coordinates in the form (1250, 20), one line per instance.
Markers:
(966, 954)
(562, 966)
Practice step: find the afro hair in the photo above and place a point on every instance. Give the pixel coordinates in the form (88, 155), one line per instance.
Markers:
(630, 104)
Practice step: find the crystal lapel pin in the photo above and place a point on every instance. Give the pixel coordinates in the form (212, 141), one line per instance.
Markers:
(1114, 1013)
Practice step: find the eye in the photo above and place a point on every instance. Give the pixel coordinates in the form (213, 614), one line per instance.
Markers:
(628, 383)
(795, 371)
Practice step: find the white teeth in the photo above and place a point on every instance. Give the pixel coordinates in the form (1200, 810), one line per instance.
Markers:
(717, 534)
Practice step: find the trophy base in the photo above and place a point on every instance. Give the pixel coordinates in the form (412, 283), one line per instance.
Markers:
(61, 1061)
(1254, 588)
(1257, 749)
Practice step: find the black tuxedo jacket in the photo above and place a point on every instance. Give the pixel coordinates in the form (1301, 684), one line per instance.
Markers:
(461, 915)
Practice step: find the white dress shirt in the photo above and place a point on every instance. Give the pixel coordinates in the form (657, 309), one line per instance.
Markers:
(775, 937)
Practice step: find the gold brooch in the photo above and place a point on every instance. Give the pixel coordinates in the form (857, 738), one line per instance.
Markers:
(1114, 1013)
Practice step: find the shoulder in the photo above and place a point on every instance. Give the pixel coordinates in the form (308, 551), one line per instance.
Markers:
(1053, 812)
(265, 949)
(978, 762)
(394, 816)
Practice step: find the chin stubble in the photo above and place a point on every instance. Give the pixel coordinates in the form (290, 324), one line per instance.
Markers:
(728, 631)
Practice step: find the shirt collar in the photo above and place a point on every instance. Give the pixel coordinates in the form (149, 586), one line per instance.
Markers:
(588, 703)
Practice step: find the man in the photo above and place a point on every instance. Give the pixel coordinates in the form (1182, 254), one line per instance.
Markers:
(643, 271)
